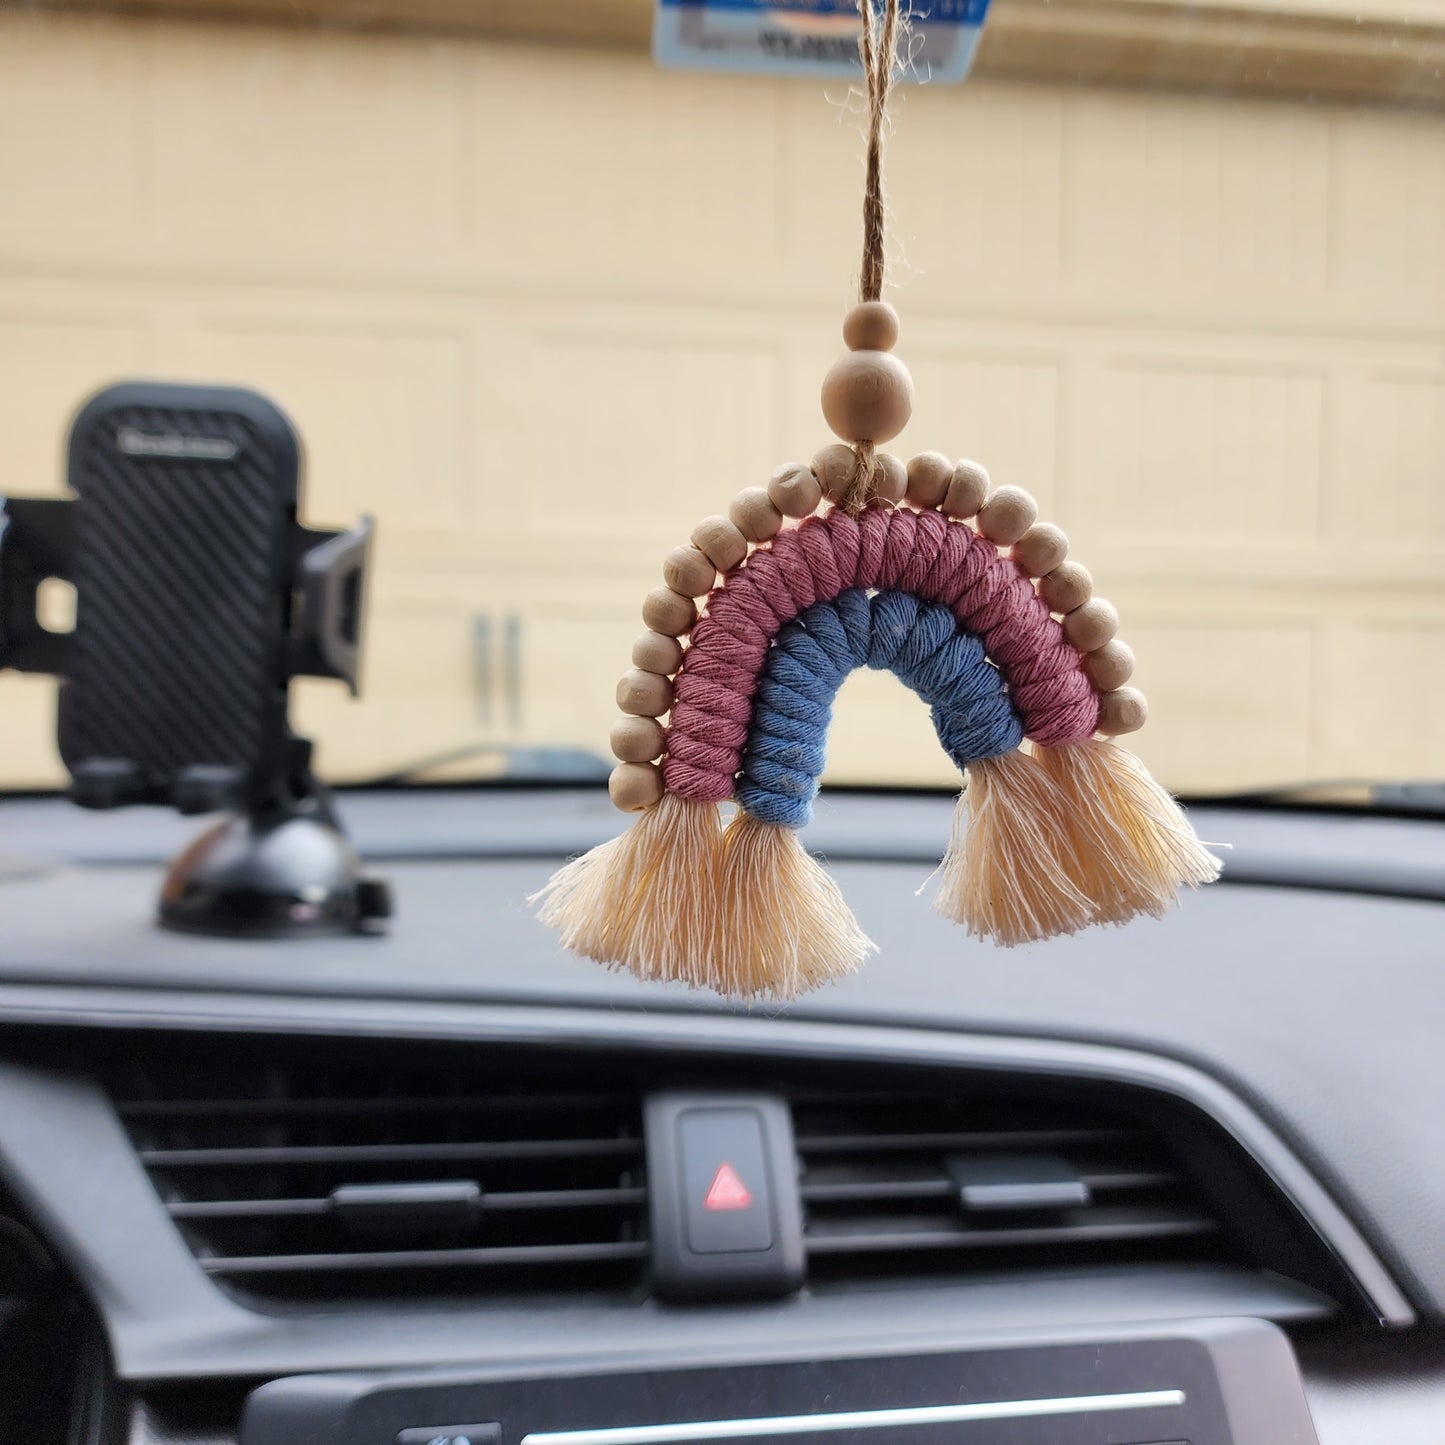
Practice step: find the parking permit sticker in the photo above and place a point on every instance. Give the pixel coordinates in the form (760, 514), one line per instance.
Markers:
(810, 37)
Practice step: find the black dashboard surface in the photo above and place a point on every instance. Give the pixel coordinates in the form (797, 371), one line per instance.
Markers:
(1322, 1007)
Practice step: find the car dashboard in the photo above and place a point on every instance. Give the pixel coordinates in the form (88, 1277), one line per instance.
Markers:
(1178, 1181)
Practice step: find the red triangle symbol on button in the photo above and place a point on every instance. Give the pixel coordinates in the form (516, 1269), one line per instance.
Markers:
(727, 1191)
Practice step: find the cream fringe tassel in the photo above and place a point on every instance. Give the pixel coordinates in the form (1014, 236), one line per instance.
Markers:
(1128, 844)
(1043, 844)
(747, 913)
(647, 900)
(783, 926)
(1003, 876)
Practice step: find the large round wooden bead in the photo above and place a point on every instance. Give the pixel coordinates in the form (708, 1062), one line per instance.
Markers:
(644, 694)
(1122, 711)
(688, 571)
(755, 516)
(966, 490)
(1093, 624)
(637, 739)
(890, 478)
(664, 610)
(867, 396)
(794, 490)
(929, 474)
(635, 786)
(1007, 515)
(1068, 586)
(721, 542)
(656, 652)
(1110, 666)
(1041, 549)
(871, 326)
(833, 467)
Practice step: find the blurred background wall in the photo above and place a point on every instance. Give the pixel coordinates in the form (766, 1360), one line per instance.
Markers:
(539, 307)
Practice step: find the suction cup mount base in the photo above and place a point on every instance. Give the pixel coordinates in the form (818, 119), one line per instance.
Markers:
(284, 869)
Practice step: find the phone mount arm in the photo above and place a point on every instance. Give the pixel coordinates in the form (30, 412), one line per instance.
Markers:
(327, 575)
(35, 544)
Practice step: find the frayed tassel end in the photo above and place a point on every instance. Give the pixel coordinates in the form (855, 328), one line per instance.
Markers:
(783, 927)
(1131, 845)
(748, 914)
(1003, 877)
(645, 901)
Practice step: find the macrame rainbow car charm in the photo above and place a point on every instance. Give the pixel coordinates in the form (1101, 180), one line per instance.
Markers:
(860, 561)
(989, 624)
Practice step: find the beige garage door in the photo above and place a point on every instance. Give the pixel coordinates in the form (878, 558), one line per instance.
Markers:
(538, 309)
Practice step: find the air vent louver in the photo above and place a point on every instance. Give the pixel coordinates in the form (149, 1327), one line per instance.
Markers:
(345, 1169)
(319, 1181)
(880, 1196)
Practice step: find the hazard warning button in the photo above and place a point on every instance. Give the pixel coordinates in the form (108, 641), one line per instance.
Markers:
(724, 1180)
(725, 1219)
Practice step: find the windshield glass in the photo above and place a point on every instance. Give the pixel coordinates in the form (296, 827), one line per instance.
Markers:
(538, 305)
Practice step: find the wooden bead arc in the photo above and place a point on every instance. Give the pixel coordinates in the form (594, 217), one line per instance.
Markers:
(635, 786)
(1122, 711)
(966, 490)
(1067, 587)
(754, 515)
(720, 540)
(657, 652)
(644, 694)
(637, 739)
(833, 467)
(1091, 625)
(688, 571)
(795, 491)
(929, 474)
(1006, 517)
(1042, 548)
(666, 611)
(1110, 666)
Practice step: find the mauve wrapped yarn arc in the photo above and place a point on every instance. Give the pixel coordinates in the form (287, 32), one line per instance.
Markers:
(931, 556)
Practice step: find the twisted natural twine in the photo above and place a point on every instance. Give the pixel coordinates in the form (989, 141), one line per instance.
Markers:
(879, 54)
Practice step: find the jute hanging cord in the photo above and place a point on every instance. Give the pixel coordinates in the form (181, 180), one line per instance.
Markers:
(878, 47)
(858, 559)
(880, 55)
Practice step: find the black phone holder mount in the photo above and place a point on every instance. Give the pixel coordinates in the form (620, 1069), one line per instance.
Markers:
(199, 596)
